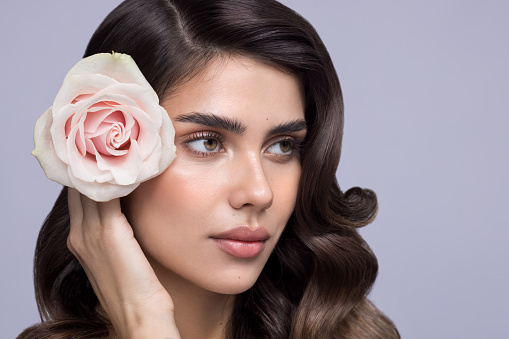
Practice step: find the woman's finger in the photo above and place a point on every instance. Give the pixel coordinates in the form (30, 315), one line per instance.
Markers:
(76, 220)
(110, 210)
(91, 216)
(74, 203)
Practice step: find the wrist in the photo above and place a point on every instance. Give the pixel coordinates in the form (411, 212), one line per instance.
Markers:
(147, 326)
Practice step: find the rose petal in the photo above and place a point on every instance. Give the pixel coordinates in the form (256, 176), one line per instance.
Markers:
(165, 149)
(118, 66)
(144, 99)
(135, 130)
(84, 167)
(94, 120)
(77, 85)
(148, 128)
(167, 134)
(101, 143)
(116, 116)
(117, 136)
(151, 166)
(80, 136)
(103, 128)
(58, 130)
(148, 131)
(108, 95)
(125, 169)
(90, 146)
(102, 191)
(81, 97)
(54, 168)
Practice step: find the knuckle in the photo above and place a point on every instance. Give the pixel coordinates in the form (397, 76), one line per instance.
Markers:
(72, 243)
(75, 241)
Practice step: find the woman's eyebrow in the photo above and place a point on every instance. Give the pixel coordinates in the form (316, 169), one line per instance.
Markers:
(296, 125)
(212, 120)
(235, 126)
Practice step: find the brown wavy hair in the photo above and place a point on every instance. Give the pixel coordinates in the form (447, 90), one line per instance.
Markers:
(315, 283)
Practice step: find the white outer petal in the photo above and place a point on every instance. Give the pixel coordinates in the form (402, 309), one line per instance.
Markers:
(163, 154)
(120, 67)
(57, 130)
(148, 134)
(103, 191)
(141, 97)
(75, 85)
(167, 133)
(54, 168)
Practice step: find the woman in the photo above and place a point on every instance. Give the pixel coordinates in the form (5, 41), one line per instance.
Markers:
(246, 234)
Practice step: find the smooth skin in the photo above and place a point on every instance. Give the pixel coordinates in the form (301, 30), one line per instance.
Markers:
(238, 127)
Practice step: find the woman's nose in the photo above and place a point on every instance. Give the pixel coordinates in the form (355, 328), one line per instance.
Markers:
(250, 186)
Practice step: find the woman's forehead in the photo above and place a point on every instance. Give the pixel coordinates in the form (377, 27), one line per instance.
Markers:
(238, 88)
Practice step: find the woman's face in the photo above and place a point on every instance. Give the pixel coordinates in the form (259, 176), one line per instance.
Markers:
(214, 216)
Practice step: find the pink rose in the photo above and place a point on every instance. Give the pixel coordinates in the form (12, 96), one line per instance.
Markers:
(106, 132)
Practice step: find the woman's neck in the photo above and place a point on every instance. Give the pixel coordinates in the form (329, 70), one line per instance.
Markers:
(199, 313)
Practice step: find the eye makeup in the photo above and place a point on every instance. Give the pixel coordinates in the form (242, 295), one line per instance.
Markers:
(204, 143)
(210, 143)
(284, 148)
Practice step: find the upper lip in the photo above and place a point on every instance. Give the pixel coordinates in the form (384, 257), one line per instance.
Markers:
(244, 233)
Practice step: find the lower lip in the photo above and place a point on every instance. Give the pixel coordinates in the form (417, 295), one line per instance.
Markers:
(241, 249)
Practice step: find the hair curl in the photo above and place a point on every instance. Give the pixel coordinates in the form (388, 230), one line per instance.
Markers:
(315, 283)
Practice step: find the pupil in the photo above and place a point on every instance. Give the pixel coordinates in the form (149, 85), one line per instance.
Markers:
(210, 144)
(285, 146)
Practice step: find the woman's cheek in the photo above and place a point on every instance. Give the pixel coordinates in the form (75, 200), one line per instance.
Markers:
(182, 195)
(284, 181)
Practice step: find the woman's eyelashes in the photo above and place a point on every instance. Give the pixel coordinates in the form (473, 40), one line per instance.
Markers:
(284, 149)
(207, 143)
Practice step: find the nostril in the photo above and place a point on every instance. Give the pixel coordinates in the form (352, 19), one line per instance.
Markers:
(251, 191)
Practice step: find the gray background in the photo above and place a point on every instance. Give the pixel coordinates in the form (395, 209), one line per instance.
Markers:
(426, 87)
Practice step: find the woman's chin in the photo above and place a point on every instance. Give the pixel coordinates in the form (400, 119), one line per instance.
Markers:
(234, 283)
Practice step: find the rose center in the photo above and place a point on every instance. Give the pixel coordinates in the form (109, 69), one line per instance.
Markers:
(117, 136)
(104, 131)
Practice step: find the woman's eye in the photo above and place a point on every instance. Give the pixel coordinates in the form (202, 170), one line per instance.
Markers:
(204, 145)
(283, 147)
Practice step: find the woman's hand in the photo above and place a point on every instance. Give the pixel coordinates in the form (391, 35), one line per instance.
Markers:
(102, 240)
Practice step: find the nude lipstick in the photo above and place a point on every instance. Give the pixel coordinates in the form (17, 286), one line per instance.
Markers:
(242, 241)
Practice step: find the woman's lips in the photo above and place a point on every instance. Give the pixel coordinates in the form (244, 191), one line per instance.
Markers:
(241, 249)
(242, 241)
